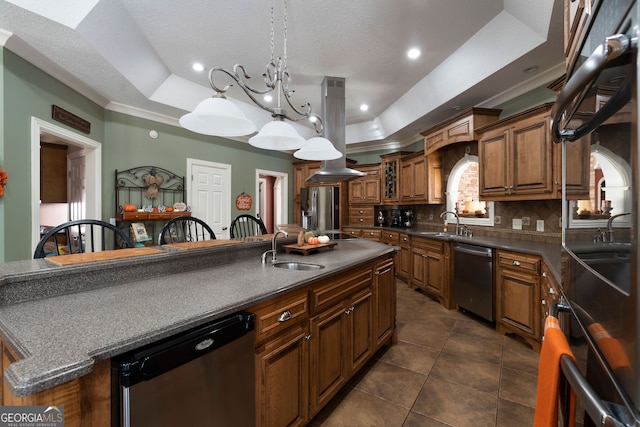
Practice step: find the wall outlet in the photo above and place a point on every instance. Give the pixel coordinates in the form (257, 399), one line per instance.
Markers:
(526, 221)
(516, 224)
(540, 225)
(112, 221)
(430, 217)
(497, 219)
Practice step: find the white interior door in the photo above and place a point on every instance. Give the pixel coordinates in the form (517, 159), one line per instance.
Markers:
(209, 194)
(76, 186)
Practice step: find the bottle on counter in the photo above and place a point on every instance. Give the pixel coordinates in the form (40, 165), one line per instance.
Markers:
(301, 238)
(445, 227)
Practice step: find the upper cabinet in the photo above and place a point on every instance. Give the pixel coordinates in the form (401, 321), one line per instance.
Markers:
(367, 188)
(421, 179)
(413, 178)
(391, 177)
(53, 173)
(576, 15)
(460, 128)
(518, 160)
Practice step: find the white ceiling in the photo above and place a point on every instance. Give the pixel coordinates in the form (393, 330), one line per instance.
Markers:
(135, 56)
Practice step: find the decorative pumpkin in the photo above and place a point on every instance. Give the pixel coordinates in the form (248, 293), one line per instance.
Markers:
(129, 208)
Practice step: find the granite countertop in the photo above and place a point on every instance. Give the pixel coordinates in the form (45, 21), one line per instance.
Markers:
(104, 309)
(550, 252)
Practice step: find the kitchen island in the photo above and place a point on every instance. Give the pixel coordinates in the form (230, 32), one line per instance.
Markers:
(61, 324)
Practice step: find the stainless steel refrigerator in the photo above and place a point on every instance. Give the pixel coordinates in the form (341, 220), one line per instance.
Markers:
(600, 268)
(320, 207)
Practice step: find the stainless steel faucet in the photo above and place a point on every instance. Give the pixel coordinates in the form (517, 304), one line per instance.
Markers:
(273, 251)
(443, 214)
(610, 231)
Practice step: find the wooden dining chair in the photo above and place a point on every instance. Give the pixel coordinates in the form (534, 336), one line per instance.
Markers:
(79, 236)
(185, 229)
(246, 225)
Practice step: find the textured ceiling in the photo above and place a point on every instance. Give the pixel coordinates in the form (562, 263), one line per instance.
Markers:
(136, 55)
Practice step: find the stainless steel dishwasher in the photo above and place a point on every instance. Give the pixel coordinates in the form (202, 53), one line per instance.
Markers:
(473, 279)
(202, 377)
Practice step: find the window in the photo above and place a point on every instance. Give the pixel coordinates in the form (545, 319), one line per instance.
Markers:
(609, 180)
(463, 193)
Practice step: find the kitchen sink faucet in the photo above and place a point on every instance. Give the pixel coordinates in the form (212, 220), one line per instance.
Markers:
(443, 214)
(610, 231)
(273, 252)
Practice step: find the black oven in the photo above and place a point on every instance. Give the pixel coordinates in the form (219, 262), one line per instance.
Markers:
(600, 248)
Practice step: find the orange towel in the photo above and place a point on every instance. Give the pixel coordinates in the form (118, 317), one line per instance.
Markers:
(612, 350)
(554, 346)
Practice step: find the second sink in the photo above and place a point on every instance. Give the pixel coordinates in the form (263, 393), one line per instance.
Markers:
(294, 265)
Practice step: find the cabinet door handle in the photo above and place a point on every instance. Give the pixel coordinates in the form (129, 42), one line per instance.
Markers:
(516, 263)
(307, 337)
(361, 220)
(284, 316)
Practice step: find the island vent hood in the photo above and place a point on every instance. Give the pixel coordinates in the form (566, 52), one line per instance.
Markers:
(334, 122)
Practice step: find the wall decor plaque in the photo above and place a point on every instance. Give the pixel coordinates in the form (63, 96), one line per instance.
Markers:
(70, 119)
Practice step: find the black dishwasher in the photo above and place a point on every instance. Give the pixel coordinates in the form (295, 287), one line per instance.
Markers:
(473, 279)
(201, 377)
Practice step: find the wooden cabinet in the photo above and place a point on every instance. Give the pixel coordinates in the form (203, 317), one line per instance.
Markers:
(421, 179)
(86, 400)
(516, 157)
(53, 173)
(459, 128)
(431, 268)
(371, 234)
(311, 341)
(361, 215)
(282, 346)
(341, 334)
(403, 257)
(435, 190)
(413, 178)
(576, 14)
(391, 177)
(367, 188)
(354, 232)
(517, 295)
(549, 292)
(301, 171)
(282, 379)
(384, 303)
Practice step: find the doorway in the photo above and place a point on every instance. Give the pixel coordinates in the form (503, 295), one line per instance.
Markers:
(209, 194)
(272, 189)
(80, 146)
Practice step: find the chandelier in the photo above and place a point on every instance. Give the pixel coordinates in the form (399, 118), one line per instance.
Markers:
(218, 116)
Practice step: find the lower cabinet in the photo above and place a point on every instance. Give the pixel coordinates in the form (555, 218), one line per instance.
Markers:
(518, 296)
(282, 370)
(311, 342)
(340, 345)
(431, 269)
(86, 400)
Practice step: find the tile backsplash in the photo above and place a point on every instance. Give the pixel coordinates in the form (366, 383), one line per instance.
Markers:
(549, 211)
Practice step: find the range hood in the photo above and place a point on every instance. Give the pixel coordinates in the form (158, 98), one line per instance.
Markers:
(333, 119)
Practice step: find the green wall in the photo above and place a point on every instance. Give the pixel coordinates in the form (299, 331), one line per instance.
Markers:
(2, 164)
(30, 92)
(128, 145)
(125, 143)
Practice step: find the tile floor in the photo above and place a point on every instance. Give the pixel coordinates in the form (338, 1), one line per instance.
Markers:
(447, 369)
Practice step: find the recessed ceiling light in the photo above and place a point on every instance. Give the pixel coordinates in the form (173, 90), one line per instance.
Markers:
(413, 53)
(456, 108)
(364, 107)
(198, 66)
(530, 69)
(268, 98)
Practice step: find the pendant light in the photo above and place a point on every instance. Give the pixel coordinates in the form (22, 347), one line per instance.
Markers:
(220, 117)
